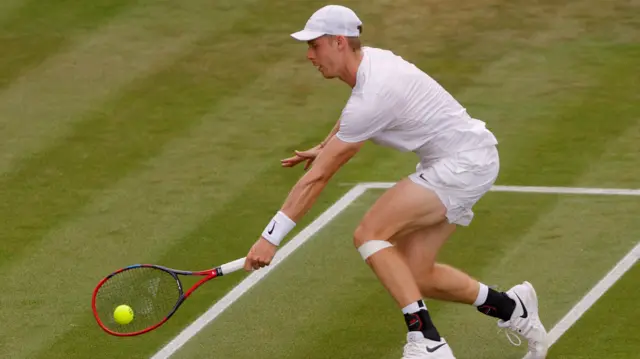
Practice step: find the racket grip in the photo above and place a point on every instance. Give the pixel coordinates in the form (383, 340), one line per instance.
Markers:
(232, 266)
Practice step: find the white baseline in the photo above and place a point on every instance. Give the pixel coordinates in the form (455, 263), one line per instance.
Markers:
(563, 325)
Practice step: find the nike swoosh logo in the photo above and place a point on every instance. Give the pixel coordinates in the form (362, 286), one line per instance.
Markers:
(524, 309)
(431, 350)
(272, 228)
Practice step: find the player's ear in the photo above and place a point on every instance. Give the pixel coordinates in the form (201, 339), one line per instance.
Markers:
(345, 42)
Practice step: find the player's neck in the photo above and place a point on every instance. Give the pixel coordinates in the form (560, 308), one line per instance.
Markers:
(352, 63)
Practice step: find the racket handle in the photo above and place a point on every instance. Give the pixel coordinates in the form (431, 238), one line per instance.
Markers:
(232, 266)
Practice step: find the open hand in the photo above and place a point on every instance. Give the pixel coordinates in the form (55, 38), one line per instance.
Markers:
(301, 156)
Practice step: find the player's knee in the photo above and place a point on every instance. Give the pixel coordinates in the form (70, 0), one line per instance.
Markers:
(364, 233)
(365, 243)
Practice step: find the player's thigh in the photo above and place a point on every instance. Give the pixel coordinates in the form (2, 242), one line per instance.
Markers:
(420, 248)
(460, 181)
(404, 208)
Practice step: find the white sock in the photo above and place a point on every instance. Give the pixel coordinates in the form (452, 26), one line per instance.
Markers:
(414, 307)
(482, 295)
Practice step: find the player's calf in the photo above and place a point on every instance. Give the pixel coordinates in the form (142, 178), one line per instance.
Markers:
(446, 283)
(396, 277)
(443, 282)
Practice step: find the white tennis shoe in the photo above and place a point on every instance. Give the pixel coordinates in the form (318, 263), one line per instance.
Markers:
(526, 322)
(419, 347)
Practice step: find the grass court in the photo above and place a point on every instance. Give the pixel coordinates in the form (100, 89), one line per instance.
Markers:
(151, 131)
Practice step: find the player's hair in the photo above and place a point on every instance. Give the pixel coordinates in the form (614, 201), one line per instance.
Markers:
(354, 42)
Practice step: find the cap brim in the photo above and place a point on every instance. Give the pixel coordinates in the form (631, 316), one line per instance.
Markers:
(306, 35)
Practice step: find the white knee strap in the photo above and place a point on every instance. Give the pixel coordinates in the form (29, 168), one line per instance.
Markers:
(370, 247)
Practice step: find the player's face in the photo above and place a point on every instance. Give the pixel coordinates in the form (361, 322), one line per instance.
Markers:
(324, 54)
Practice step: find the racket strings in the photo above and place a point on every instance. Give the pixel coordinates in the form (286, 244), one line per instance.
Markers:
(150, 292)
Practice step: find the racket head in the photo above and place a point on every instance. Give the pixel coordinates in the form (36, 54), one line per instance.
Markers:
(153, 292)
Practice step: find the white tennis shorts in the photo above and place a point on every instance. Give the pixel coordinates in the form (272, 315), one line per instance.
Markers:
(460, 180)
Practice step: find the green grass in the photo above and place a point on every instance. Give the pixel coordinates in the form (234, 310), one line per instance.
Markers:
(151, 131)
(323, 301)
(614, 313)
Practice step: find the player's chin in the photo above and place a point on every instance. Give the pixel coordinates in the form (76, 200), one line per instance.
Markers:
(327, 75)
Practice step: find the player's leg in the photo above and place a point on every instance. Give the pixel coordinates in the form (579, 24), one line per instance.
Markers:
(405, 207)
(517, 308)
(444, 282)
(460, 182)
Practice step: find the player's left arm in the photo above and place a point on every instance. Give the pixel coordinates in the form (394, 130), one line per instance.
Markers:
(305, 192)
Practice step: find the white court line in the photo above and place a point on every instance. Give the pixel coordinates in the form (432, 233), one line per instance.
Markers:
(593, 295)
(251, 280)
(535, 189)
(304, 235)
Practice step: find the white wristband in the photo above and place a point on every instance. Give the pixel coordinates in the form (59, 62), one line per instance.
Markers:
(278, 228)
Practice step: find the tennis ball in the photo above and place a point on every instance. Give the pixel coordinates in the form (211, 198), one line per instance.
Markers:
(123, 314)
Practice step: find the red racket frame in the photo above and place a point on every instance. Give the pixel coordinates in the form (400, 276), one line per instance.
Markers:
(207, 276)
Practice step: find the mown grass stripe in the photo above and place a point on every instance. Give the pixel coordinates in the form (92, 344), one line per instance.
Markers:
(232, 168)
(42, 106)
(8, 7)
(214, 149)
(39, 29)
(112, 140)
(160, 200)
(618, 163)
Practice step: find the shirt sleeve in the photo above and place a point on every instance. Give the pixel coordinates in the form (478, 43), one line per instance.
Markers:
(364, 116)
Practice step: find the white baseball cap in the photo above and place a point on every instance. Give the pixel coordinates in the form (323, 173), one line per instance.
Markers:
(330, 20)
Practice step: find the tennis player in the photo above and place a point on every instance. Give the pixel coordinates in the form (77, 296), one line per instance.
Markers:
(393, 103)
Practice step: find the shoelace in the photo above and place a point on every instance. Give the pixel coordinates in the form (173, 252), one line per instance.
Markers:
(511, 335)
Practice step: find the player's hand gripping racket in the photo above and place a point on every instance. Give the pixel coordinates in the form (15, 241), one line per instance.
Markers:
(146, 296)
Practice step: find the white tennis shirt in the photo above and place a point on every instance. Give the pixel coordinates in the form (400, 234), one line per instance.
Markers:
(397, 105)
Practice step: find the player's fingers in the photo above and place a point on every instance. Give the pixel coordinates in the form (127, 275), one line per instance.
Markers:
(248, 264)
(262, 262)
(255, 262)
(305, 154)
(292, 160)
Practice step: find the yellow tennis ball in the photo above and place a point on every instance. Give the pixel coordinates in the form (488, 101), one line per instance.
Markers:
(123, 314)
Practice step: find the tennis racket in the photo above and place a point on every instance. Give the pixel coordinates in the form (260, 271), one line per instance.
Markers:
(153, 292)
